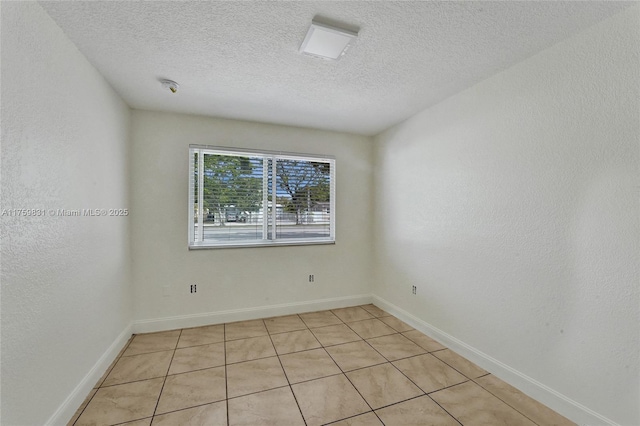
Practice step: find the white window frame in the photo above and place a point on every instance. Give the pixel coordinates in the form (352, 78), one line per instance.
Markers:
(196, 243)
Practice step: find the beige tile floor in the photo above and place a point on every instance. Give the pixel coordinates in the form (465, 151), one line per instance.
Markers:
(351, 366)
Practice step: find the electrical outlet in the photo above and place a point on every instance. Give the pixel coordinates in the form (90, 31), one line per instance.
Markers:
(414, 290)
(311, 278)
(193, 288)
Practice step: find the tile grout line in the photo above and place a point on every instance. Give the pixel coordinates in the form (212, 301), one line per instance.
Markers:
(317, 378)
(226, 376)
(351, 417)
(415, 384)
(428, 351)
(165, 377)
(285, 373)
(391, 362)
(388, 361)
(401, 402)
(147, 353)
(354, 386)
(118, 358)
(254, 393)
(505, 402)
(399, 359)
(369, 319)
(361, 396)
(177, 410)
(106, 374)
(133, 381)
(470, 378)
(437, 403)
(428, 394)
(85, 407)
(328, 310)
(448, 387)
(444, 409)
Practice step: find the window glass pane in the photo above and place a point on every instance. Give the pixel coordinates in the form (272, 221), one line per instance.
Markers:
(303, 199)
(232, 199)
(193, 189)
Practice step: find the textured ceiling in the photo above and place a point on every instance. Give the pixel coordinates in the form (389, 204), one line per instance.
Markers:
(240, 59)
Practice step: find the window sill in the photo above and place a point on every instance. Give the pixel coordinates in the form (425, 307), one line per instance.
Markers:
(201, 246)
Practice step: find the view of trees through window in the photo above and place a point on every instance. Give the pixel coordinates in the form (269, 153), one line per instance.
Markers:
(259, 197)
(304, 185)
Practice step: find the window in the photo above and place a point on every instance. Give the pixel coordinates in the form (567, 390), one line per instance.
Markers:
(241, 198)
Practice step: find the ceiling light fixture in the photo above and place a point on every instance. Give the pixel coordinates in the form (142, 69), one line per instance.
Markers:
(170, 85)
(327, 42)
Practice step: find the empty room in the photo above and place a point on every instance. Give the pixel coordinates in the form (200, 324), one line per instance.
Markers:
(320, 212)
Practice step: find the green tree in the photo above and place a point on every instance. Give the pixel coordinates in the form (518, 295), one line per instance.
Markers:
(230, 181)
(305, 182)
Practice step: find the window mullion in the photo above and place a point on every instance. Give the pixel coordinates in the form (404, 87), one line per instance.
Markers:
(192, 201)
(200, 196)
(265, 198)
(274, 198)
(332, 200)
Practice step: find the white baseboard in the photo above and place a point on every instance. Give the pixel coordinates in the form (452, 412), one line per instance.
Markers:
(536, 390)
(209, 318)
(68, 408)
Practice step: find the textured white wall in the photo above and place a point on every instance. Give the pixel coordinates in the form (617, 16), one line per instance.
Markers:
(230, 279)
(66, 289)
(514, 208)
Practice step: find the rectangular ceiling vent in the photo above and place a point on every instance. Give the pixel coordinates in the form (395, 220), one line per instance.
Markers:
(327, 42)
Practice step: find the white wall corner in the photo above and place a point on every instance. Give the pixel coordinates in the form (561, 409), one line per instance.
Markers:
(536, 390)
(68, 408)
(210, 318)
